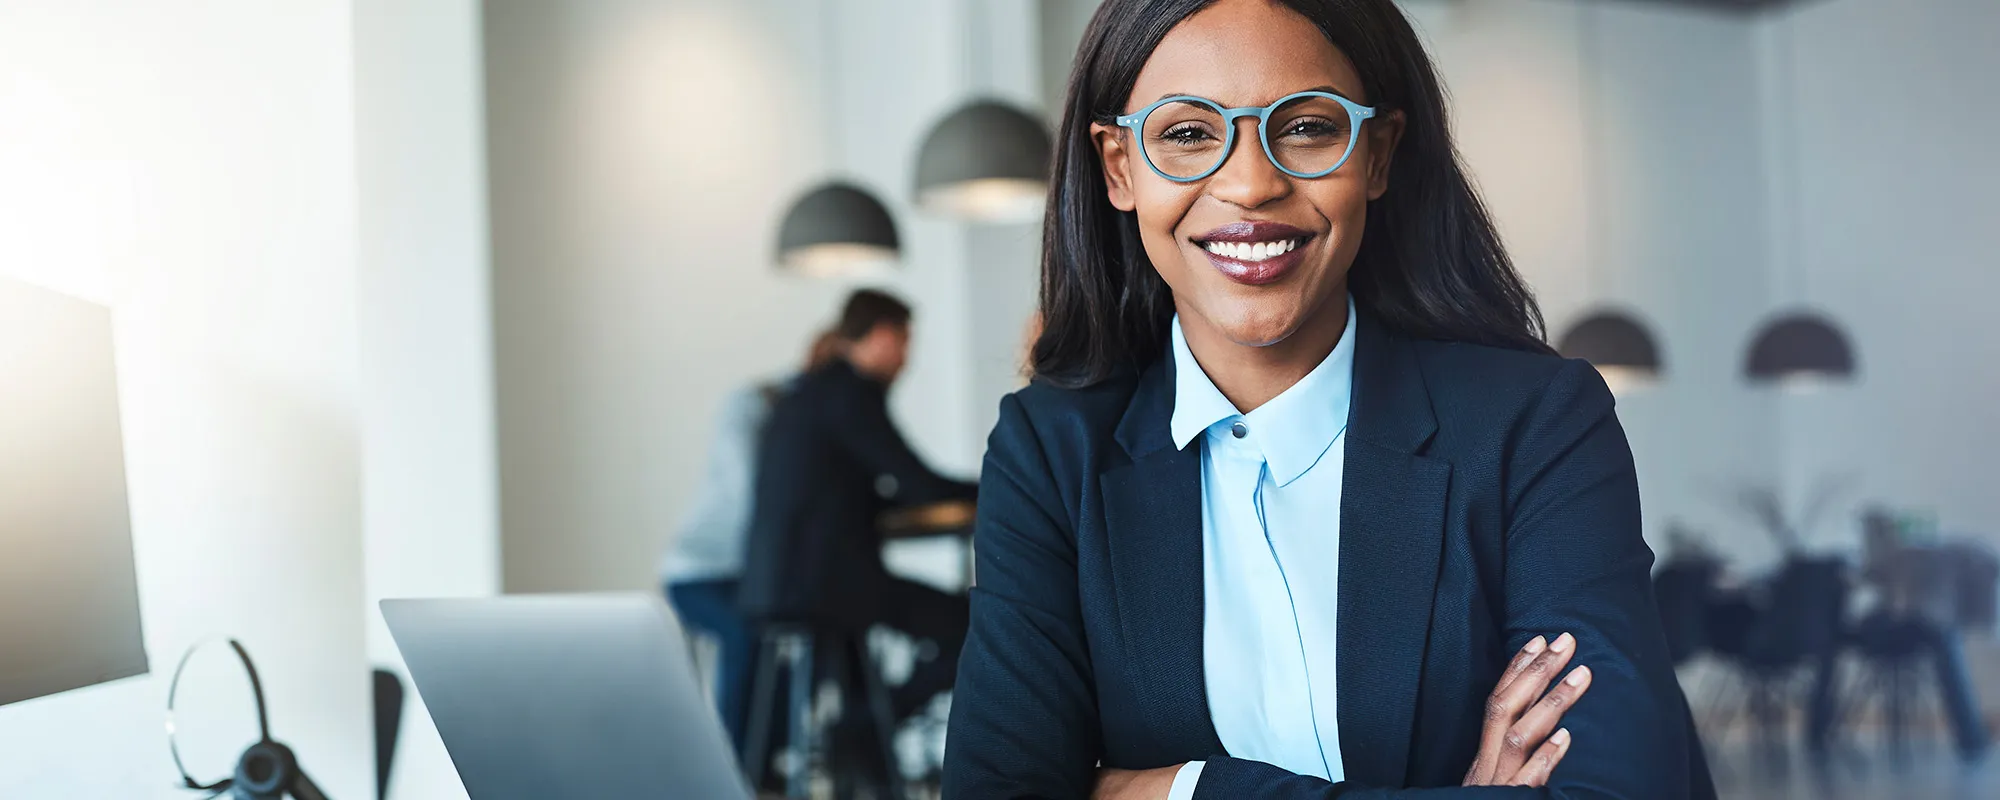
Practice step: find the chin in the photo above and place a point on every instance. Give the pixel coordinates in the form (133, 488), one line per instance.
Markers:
(1261, 330)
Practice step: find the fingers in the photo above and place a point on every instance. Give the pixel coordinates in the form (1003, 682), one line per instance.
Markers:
(1536, 772)
(1534, 677)
(1533, 648)
(1505, 710)
(1514, 694)
(1499, 716)
(1535, 725)
(1479, 774)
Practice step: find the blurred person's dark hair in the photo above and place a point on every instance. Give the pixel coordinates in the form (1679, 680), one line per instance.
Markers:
(1430, 266)
(867, 308)
(825, 347)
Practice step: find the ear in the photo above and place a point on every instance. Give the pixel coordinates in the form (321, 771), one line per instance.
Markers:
(1114, 154)
(1384, 134)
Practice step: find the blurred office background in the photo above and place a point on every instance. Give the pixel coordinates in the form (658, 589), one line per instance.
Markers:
(438, 297)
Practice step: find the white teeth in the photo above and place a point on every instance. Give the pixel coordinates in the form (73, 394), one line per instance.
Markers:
(1246, 251)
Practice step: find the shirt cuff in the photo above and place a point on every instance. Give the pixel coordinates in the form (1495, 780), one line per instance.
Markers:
(1184, 781)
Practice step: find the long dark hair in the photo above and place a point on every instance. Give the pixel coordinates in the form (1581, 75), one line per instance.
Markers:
(1430, 264)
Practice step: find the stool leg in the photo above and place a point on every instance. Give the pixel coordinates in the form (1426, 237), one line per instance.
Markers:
(757, 741)
(805, 741)
(837, 657)
(884, 716)
(1898, 683)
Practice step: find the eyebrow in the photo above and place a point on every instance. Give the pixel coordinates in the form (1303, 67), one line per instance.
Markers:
(1327, 89)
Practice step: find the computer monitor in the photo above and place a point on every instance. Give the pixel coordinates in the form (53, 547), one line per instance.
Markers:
(69, 598)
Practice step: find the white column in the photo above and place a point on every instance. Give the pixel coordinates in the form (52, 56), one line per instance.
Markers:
(431, 506)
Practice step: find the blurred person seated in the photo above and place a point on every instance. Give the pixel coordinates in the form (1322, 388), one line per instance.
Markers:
(830, 464)
(702, 566)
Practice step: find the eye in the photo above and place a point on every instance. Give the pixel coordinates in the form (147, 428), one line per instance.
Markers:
(1311, 128)
(1186, 133)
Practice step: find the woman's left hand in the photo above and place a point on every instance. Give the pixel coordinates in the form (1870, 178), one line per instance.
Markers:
(1135, 784)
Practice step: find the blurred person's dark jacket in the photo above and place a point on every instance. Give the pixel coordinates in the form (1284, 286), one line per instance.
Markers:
(830, 463)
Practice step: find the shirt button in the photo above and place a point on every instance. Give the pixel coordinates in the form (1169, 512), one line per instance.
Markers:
(1239, 430)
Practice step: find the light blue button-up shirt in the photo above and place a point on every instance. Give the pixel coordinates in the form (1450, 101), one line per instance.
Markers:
(1270, 495)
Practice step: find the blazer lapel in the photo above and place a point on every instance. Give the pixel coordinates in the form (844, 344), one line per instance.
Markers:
(1152, 510)
(1391, 537)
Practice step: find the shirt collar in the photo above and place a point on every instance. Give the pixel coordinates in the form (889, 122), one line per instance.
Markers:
(1197, 403)
(1303, 421)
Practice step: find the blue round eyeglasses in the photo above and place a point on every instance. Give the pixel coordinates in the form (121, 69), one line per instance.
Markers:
(1305, 135)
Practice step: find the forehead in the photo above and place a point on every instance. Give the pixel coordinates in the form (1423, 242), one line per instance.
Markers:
(1243, 53)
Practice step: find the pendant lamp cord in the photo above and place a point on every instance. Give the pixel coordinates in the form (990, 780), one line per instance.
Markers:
(836, 138)
(978, 55)
(1593, 162)
(1791, 269)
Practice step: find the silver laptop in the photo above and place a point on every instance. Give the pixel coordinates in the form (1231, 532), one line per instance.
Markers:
(565, 696)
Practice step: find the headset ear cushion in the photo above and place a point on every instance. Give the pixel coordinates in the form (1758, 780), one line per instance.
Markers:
(266, 770)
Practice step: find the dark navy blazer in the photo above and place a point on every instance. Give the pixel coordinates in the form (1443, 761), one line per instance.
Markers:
(1489, 496)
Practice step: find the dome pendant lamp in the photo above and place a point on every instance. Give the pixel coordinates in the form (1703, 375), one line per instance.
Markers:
(1797, 350)
(1618, 346)
(1615, 342)
(988, 161)
(836, 229)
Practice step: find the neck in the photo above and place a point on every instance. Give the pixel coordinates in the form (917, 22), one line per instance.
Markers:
(864, 369)
(1250, 375)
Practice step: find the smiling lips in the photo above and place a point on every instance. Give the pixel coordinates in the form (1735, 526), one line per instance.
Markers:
(1254, 253)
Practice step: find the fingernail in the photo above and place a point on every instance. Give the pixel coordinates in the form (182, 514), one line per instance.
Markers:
(1561, 738)
(1536, 644)
(1577, 676)
(1562, 643)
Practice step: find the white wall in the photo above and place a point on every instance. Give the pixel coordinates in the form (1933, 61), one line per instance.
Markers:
(1618, 145)
(430, 475)
(641, 155)
(1888, 117)
(1829, 156)
(191, 166)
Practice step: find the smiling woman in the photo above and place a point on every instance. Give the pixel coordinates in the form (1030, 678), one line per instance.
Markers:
(1299, 502)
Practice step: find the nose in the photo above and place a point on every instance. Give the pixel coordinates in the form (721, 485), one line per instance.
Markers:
(1247, 177)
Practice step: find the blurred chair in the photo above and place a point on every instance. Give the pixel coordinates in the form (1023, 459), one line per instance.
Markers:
(1892, 653)
(809, 655)
(1925, 604)
(1683, 590)
(1769, 644)
(1978, 595)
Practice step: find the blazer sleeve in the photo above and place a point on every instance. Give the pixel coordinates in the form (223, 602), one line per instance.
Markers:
(1575, 562)
(1024, 713)
(863, 427)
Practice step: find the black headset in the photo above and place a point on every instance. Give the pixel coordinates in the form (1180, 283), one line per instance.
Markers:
(267, 770)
